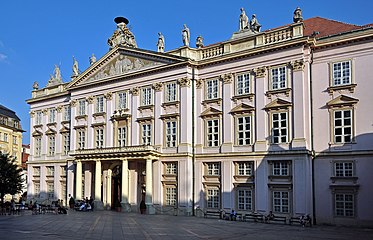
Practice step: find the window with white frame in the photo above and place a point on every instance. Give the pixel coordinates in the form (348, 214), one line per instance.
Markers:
(212, 89)
(99, 137)
(50, 171)
(278, 78)
(213, 169)
(14, 140)
(171, 134)
(36, 171)
(122, 100)
(51, 145)
(280, 127)
(5, 137)
(170, 92)
(243, 84)
(244, 199)
(81, 138)
(146, 96)
(66, 143)
(146, 134)
(99, 104)
(37, 142)
(213, 198)
(281, 201)
(66, 113)
(280, 168)
(344, 204)
(50, 190)
(341, 73)
(243, 124)
(122, 136)
(39, 118)
(171, 195)
(171, 168)
(342, 126)
(37, 189)
(244, 168)
(81, 107)
(52, 115)
(212, 135)
(63, 170)
(344, 169)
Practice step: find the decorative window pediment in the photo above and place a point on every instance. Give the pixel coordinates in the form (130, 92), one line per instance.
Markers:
(242, 108)
(342, 101)
(211, 112)
(278, 104)
(64, 129)
(50, 132)
(37, 133)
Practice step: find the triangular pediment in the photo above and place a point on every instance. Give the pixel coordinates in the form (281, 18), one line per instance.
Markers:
(37, 133)
(342, 100)
(242, 108)
(278, 103)
(122, 62)
(210, 112)
(64, 129)
(50, 132)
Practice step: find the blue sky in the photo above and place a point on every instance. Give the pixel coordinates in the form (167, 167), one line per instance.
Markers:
(36, 35)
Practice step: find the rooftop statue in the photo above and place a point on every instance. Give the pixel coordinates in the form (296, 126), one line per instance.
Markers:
(244, 20)
(75, 67)
(35, 86)
(186, 35)
(297, 15)
(254, 24)
(56, 78)
(122, 35)
(92, 59)
(199, 41)
(160, 43)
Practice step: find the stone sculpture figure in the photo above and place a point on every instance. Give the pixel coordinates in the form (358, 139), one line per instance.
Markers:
(57, 73)
(92, 59)
(297, 15)
(244, 20)
(186, 35)
(199, 41)
(35, 86)
(254, 24)
(75, 67)
(160, 43)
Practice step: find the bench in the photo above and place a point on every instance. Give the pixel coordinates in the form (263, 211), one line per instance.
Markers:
(300, 221)
(227, 216)
(253, 216)
(213, 213)
(275, 218)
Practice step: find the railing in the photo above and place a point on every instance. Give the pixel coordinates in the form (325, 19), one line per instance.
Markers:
(278, 36)
(212, 52)
(129, 149)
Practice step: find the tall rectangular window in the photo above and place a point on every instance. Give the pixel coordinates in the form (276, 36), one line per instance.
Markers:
(99, 104)
(171, 134)
(341, 73)
(146, 96)
(66, 143)
(52, 115)
(170, 92)
(212, 89)
(122, 136)
(14, 140)
(36, 189)
(243, 130)
(281, 201)
(99, 137)
(39, 118)
(146, 134)
(280, 168)
(244, 168)
(52, 145)
(37, 146)
(213, 133)
(343, 169)
(171, 195)
(50, 190)
(343, 126)
(81, 139)
(244, 200)
(171, 168)
(122, 100)
(243, 84)
(66, 113)
(279, 127)
(50, 171)
(213, 169)
(81, 109)
(344, 204)
(278, 77)
(213, 198)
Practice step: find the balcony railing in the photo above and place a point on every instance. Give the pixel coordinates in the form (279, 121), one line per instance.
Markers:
(130, 150)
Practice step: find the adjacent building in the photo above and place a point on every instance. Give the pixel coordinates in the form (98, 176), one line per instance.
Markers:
(276, 121)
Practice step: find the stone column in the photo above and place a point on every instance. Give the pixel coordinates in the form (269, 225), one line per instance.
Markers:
(149, 186)
(78, 193)
(108, 189)
(98, 199)
(125, 185)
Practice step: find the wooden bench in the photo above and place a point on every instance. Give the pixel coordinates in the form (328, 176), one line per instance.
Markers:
(227, 216)
(213, 213)
(294, 220)
(253, 216)
(275, 218)
(298, 220)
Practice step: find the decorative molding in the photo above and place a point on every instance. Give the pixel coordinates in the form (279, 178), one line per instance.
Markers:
(90, 99)
(158, 86)
(32, 114)
(108, 95)
(73, 103)
(199, 83)
(260, 72)
(184, 82)
(297, 65)
(59, 108)
(227, 78)
(45, 112)
(135, 91)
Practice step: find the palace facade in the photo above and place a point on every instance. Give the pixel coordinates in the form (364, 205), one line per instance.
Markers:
(277, 121)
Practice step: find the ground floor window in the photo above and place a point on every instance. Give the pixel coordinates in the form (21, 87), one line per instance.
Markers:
(244, 199)
(50, 190)
(213, 198)
(281, 201)
(171, 195)
(344, 204)
(37, 189)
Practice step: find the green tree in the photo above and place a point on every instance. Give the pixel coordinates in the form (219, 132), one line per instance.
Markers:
(11, 181)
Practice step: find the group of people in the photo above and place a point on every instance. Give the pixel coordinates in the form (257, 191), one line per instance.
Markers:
(83, 205)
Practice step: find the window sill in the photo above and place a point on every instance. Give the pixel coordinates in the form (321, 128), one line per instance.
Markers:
(211, 101)
(349, 87)
(81, 117)
(279, 177)
(99, 114)
(146, 107)
(344, 179)
(169, 104)
(285, 91)
(250, 96)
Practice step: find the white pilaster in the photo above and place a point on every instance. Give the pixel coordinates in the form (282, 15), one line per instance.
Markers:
(78, 184)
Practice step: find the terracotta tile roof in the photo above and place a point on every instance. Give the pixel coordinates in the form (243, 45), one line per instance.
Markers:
(327, 27)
